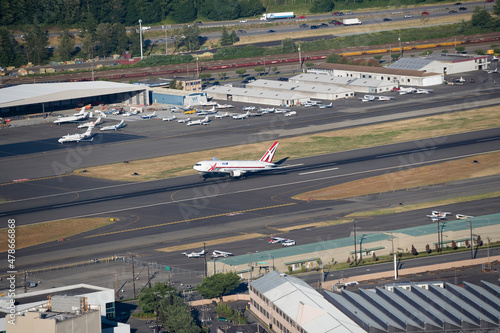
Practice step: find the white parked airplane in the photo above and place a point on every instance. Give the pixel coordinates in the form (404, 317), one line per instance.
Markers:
(281, 110)
(423, 91)
(78, 136)
(113, 127)
(207, 103)
(220, 116)
(82, 115)
(169, 118)
(248, 108)
(291, 113)
(203, 121)
(207, 112)
(181, 121)
(242, 116)
(238, 169)
(267, 110)
(463, 217)
(218, 254)
(275, 240)
(404, 91)
(437, 215)
(149, 116)
(195, 254)
(326, 106)
(224, 106)
(98, 121)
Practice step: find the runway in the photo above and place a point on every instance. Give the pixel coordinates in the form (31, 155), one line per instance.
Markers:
(186, 210)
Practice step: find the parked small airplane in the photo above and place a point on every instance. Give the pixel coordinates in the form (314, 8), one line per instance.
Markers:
(98, 121)
(181, 121)
(218, 254)
(242, 116)
(207, 112)
(77, 117)
(463, 217)
(248, 108)
(224, 106)
(267, 110)
(169, 118)
(190, 111)
(78, 136)
(275, 240)
(366, 99)
(113, 127)
(281, 110)
(238, 169)
(326, 106)
(290, 113)
(207, 103)
(423, 91)
(493, 71)
(149, 116)
(203, 121)
(195, 254)
(437, 215)
(404, 91)
(220, 116)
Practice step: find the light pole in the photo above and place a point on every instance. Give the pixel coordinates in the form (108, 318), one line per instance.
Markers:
(300, 59)
(166, 43)
(471, 241)
(140, 36)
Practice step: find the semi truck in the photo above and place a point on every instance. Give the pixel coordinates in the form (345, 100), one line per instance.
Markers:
(351, 21)
(272, 16)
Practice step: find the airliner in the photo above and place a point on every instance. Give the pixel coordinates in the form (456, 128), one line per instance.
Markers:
(78, 136)
(113, 127)
(82, 115)
(237, 169)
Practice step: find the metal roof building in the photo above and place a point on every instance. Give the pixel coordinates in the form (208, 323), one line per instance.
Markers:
(307, 89)
(395, 76)
(37, 98)
(444, 63)
(361, 85)
(257, 96)
(288, 304)
(177, 97)
(423, 308)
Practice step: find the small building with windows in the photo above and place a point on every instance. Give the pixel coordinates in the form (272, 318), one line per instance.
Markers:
(188, 84)
(177, 97)
(444, 63)
(256, 96)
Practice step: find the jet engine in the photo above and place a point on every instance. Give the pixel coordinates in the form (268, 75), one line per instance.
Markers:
(236, 173)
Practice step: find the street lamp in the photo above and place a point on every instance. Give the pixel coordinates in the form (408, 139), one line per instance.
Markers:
(166, 43)
(140, 36)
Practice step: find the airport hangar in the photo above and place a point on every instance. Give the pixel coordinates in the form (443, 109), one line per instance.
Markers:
(46, 97)
(444, 63)
(397, 77)
(368, 245)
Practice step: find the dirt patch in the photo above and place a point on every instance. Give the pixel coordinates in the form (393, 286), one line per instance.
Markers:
(304, 146)
(466, 168)
(50, 231)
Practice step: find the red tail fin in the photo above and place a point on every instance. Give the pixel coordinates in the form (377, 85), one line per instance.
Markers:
(269, 155)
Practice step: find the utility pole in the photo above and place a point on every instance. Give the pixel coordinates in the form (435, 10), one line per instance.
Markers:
(133, 273)
(300, 59)
(205, 258)
(140, 39)
(166, 43)
(149, 277)
(355, 245)
(471, 241)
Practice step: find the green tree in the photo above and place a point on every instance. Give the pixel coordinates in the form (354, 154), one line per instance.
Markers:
(190, 37)
(395, 56)
(333, 58)
(377, 57)
(176, 316)
(222, 75)
(275, 70)
(496, 9)
(10, 51)
(481, 18)
(87, 45)
(183, 11)
(241, 71)
(260, 69)
(234, 37)
(288, 46)
(321, 6)
(225, 38)
(220, 10)
(35, 44)
(205, 76)
(250, 8)
(66, 47)
(149, 297)
(218, 284)
(460, 48)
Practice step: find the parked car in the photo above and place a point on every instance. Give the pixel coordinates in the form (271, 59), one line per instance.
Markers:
(490, 1)
(314, 27)
(323, 25)
(458, 3)
(243, 21)
(387, 19)
(271, 31)
(302, 17)
(248, 79)
(425, 13)
(408, 16)
(283, 79)
(242, 32)
(304, 26)
(288, 242)
(462, 8)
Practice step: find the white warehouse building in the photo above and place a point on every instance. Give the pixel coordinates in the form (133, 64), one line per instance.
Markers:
(390, 76)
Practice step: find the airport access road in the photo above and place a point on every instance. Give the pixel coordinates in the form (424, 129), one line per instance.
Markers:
(179, 210)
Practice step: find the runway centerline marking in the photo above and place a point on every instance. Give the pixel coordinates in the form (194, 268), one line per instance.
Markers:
(188, 220)
(324, 170)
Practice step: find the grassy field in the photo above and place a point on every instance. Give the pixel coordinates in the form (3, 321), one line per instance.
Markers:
(50, 231)
(304, 146)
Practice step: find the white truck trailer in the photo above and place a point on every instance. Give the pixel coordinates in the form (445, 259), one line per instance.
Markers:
(351, 21)
(273, 16)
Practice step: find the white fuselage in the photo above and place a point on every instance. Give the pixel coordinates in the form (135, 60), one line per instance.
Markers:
(232, 166)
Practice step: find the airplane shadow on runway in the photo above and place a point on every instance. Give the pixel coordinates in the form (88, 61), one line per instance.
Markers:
(48, 145)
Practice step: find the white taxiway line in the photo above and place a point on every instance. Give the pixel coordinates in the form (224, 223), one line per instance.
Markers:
(294, 165)
(306, 173)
